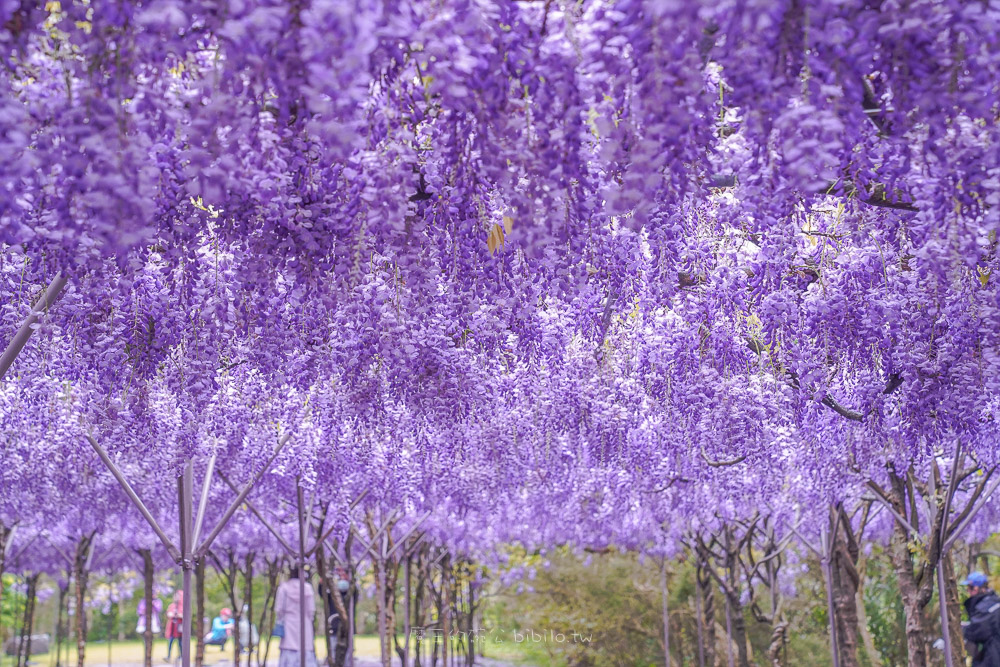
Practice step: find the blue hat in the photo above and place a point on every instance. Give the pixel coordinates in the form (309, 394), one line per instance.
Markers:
(975, 579)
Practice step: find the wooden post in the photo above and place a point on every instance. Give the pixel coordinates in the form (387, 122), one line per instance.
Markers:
(729, 630)
(199, 615)
(84, 548)
(699, 621)
(147, 579)
(666, 613)
(826, 544)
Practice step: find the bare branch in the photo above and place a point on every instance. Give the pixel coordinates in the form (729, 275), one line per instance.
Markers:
(722, 464)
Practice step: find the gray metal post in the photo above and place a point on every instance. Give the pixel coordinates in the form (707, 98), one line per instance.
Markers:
(350, 629)
(24, 333)
(384, 652)
(187, 563)
(406, 614)
(302, 576)
(943, 604)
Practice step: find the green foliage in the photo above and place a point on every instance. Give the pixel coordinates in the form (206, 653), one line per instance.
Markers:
(11, 606)
(616, 599)
(884, 609)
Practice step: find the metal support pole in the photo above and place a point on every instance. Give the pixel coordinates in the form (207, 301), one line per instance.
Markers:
(174, 552)
(381, 592)
(943, 604)
(302, 575)
(942, 597)
(24, 333)
(202, 549)
(184, 484)
(406, 613)
(956, 531)
(350, 630)
(267, 524)
(206, 486)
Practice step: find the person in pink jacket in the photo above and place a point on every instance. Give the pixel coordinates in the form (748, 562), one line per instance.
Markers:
(287, 612)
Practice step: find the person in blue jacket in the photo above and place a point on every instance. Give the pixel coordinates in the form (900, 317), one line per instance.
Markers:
(982, 631)
(221, 626)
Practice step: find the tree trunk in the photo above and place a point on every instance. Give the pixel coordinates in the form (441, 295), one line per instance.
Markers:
(392, 575)
(418, 608)
(60, 630)
(846, 583)
(4, 535)
(267, 613)
(199, 613)
(80, 575)
(147, 579)
(248, 599)
(327, 593)
(32, 600)
(706, 596)
(916, 630)
(739, 631)
(445, 608)
(779, 636)
(232, 583)
(381, 595)
(21, 627)
(472, 625)
(27, 624)
(954, 610)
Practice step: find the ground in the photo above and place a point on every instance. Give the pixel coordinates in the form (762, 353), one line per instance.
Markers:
(130, 654)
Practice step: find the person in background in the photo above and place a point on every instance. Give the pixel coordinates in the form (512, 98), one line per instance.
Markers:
(248, 631)
(287, 611)
(221, 626)
(982, 631)
(140, 610)
(334, 621)
(175, 619)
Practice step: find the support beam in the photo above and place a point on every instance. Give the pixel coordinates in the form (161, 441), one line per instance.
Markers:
(267, 524)
(322, 538)
(406, 613)
(17, 343)
(943, 607)
(207, 544)
(171, 549)
(206, 486)
(956, 532)
(402, 540)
